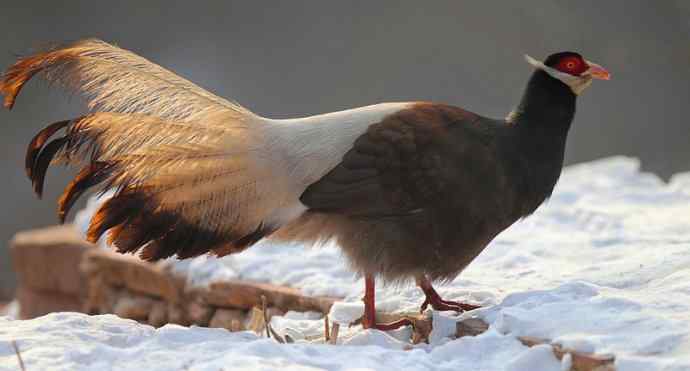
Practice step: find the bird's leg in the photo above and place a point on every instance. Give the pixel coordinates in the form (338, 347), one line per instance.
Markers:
(369, 299)
(435, 300)
(369, 320)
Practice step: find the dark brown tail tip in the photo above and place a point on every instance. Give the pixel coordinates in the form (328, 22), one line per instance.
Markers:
(114, 211)
(89, 176)
(37, 143)
(150, 252)
(41, 166)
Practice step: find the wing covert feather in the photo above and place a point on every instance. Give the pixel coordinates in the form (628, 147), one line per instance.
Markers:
(397, 167)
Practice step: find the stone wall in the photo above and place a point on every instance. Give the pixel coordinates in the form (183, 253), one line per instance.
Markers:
(46, 262)
(58, 271)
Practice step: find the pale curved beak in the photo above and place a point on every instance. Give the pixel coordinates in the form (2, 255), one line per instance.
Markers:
(597, 71)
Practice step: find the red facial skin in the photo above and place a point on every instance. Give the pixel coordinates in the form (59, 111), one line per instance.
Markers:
(572, 65)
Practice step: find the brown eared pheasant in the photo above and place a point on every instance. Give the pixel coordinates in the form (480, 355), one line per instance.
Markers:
(410, 191)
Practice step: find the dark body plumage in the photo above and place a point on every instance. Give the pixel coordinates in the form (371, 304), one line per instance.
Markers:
(426, 189)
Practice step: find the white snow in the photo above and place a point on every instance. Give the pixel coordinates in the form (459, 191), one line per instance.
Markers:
(603, 267)
(345, 313)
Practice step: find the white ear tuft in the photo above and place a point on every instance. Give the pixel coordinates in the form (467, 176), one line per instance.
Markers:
(535, 63)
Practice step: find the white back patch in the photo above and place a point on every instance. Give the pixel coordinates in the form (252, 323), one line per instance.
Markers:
(298, 152)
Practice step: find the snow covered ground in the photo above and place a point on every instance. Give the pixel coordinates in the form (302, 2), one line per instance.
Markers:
(604, 267)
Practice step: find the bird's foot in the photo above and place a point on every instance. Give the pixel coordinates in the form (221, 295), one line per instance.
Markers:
(446, 305)
(366, 323)
(369, 319)
(436, 302)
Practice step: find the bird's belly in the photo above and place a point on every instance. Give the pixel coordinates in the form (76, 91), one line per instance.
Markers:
(398, 249)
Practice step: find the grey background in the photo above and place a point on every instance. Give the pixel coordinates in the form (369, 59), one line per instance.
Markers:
(293, 58)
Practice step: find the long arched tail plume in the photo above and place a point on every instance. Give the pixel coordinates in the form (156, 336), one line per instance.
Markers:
(178, 156)
(192, 172)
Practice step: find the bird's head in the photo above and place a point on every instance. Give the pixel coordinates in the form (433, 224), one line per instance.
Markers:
(571, 69)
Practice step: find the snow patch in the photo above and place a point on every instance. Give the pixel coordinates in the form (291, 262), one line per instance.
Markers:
(346, 313)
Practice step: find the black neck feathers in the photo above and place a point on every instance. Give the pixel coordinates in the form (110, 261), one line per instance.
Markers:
(539, 127)
(548, 105)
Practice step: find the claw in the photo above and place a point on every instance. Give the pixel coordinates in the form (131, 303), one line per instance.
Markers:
(436, 302)
(445, 305)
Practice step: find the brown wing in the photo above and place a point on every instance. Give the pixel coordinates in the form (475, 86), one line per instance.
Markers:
(401, 165)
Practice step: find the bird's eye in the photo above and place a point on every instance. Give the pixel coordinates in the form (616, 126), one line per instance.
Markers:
(571, 65)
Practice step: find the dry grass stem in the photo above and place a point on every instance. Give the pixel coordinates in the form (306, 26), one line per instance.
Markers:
(334, 334)
(326, 328)
(270, 332)
(19, 355)
(265, 313)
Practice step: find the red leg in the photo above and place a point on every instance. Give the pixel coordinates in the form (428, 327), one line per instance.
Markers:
(435, 300)
(369, 320)
(369, 302)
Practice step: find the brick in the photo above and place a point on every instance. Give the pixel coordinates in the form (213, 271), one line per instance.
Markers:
(131, 272)
(199, 313)
(230, 319)
(48, 259)
(34, 303)
(246, 295)
(133, 307)
(158, 316)
(177, 315)
(101, 298)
